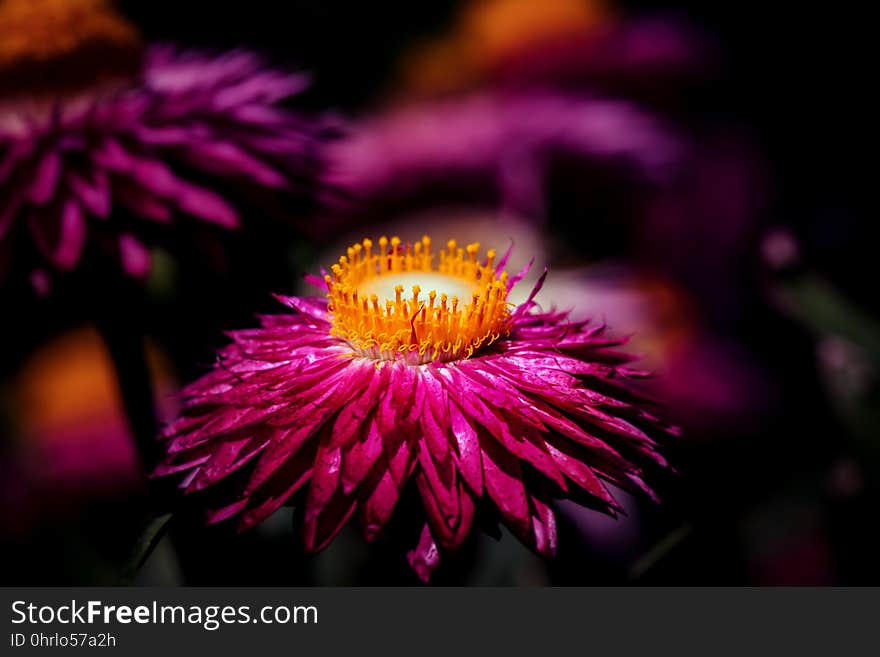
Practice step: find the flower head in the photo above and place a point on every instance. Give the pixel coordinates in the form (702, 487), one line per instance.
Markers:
(114, 162)
(415, 376)
(417, 329)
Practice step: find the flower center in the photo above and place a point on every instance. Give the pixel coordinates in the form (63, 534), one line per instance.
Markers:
(378, 307)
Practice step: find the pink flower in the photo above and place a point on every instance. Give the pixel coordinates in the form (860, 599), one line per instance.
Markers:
(120, 165)
(350, 402)
(495, 146)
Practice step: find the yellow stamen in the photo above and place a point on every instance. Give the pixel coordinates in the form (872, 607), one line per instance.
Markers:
(407, 325)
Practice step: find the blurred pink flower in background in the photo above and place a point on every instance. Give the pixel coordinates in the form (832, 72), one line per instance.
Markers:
(600, 110)
(115, 161)
(709, 381)
(493, 147)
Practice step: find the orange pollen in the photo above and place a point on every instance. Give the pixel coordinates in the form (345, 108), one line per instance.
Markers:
(378, 304)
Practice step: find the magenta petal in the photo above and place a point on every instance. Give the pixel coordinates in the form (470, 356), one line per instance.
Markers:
(12, 157)
(502, 476)
(9, 208)
(46, 177)
(316, 281)
(425, 558)
(502, 263)
(465, 517)
(404, 459)
(228, 159)
(383, 497)
(529, 302)
(521, 274)
(164, 135)
(173, 467)
(225, 512)
(442, 483)
(442, 525)
(307, 305)
(563, 425)
(335, 391)
(435, 416)
(469, 460)
(283, 444)
(64, 247)
(143, 204)
(351, 422)
(225, 459)
(95, 198)
(325, 482)
(155, 177)
(266, 87)
(395, 406)
(111, 155)
(377, 508)
(208, 206)
(320, 529)
(543, 526)
(39, 279)
(580, 473)
(360, 457)
(449, 529)
(135, 256)
(515, 435)
(284, 482)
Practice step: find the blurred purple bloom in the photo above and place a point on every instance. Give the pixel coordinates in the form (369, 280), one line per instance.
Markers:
(607, 123)
(494, 146)
(712, 383)
(108, 168)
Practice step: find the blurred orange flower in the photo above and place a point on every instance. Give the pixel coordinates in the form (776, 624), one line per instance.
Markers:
(86, 36)
(486, 32)
(73, 434)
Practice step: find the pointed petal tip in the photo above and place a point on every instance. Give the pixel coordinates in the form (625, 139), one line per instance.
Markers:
(425, 558)
(371, 532)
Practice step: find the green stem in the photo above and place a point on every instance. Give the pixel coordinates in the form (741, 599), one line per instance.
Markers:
(152, 535)
(659, 552)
